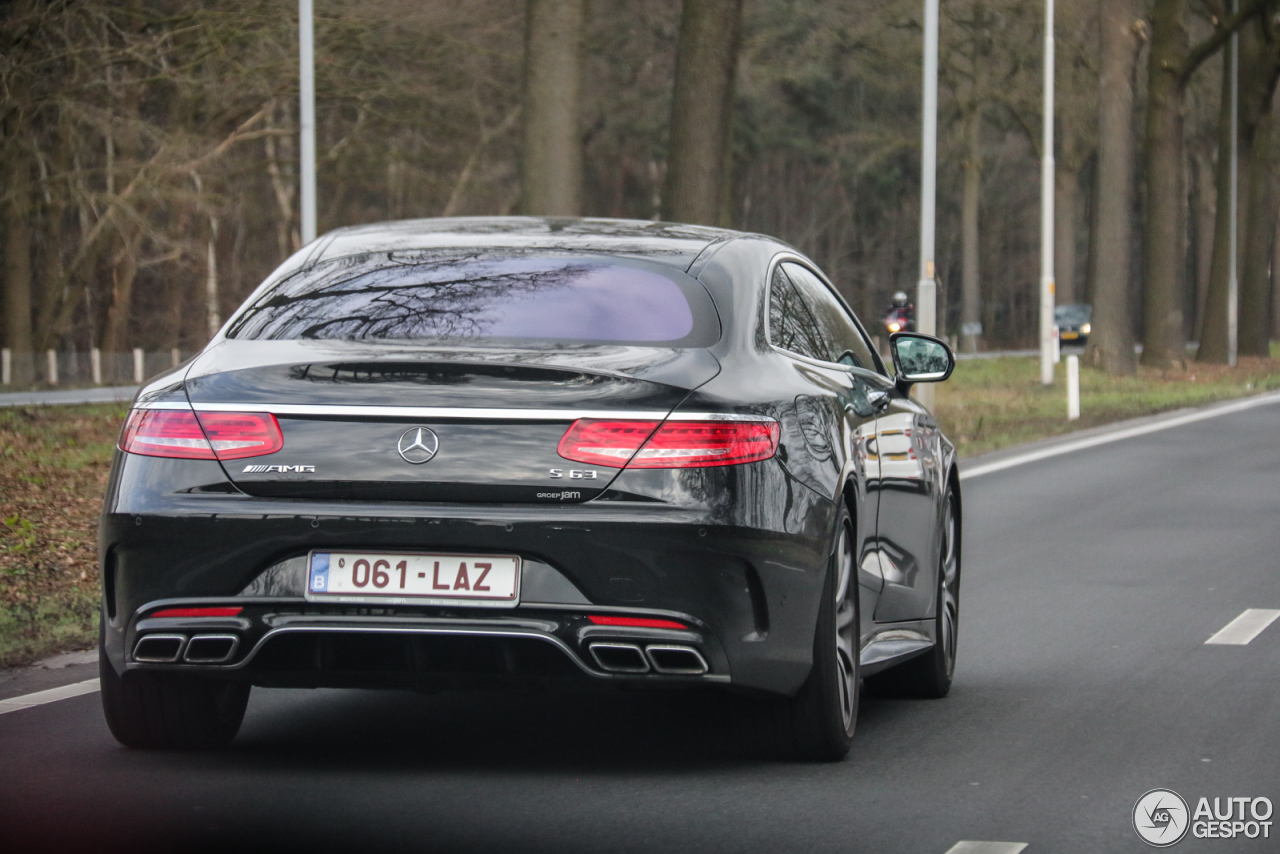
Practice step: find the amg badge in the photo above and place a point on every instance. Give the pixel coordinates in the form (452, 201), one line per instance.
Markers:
(281, 469)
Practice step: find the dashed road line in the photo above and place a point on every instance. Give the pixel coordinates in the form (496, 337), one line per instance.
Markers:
(965, 847)
(1117, 435)
(1245, 627)
(39, 698)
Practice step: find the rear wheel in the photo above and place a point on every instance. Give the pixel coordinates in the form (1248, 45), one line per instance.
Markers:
(146, 709)
(819, 721)
(929, 675)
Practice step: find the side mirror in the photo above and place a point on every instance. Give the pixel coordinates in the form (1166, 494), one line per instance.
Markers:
(920, 359)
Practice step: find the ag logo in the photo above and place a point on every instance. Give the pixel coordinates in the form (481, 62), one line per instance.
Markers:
(1160, 817)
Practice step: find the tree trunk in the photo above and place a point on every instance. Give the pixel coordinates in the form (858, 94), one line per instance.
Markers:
(1067, 193)
(701, 110)
(970, 289)
(1275, 284)
(1213, 326)
(17, 267)
(551, 170)
(1205, 214)
(124, 269)
(1166, 232)
(1111, 339)
(1260, 229)
(1259, 65)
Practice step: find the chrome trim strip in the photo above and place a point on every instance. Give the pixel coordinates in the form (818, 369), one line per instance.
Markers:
(447, 412)
(162, 404)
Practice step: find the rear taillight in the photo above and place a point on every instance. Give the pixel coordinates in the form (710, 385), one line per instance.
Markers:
(674, 444)
(165, 433)
(215, 436)
(236, 435)
(604, 443)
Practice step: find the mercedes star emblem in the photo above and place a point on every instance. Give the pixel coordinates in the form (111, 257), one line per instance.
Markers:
(417, 445)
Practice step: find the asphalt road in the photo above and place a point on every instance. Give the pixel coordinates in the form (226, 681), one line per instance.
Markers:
(1091, 583)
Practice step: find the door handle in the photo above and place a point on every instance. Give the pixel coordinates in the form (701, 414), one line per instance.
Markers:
(878, 399)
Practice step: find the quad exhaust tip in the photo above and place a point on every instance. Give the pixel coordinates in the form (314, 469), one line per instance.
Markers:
(676, 660)
(666, 659)
(211, 649)
(159, 649)
(199, 649)
(620, 657)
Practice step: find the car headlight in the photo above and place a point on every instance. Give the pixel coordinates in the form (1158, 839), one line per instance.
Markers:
(1084, 330)
(895, 327)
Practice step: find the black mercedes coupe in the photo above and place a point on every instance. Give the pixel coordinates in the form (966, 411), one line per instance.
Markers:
(447, 453)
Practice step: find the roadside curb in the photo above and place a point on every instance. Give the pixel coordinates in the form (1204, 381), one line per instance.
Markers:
(70, 397)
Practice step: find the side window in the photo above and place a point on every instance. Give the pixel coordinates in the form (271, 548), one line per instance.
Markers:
(836, 329)
(792, 325)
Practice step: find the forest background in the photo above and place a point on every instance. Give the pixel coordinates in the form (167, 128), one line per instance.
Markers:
(149, 157)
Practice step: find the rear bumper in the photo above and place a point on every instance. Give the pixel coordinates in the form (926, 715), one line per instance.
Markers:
(288, 642)
(748, 593)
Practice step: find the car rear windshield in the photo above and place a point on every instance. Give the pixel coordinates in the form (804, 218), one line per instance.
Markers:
(1072, 314)
(395, 296)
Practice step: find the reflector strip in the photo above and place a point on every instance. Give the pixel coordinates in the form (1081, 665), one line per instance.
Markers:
(198, 612)
(636, 622)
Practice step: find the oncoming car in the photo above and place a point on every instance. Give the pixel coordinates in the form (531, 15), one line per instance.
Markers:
(446, 453)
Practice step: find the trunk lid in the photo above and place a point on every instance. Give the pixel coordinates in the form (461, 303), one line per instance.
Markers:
(375, 422)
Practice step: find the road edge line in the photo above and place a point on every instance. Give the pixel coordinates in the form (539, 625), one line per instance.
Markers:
(49, 695)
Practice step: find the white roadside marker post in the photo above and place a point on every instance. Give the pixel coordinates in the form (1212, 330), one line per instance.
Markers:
(1073, 388)
(6, 366)
(51, 365)
(137, 365)
(95, 365)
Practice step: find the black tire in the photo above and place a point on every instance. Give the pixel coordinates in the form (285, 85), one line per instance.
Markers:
(150, 710)
(817, 724)
(929, 676)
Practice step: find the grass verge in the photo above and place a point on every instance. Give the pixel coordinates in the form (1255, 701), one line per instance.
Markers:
(53, 470)
(54, 463)
(989, 404)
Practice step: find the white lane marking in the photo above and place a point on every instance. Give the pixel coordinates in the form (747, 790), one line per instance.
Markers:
(986, 848)
(1245, 627)
(1118, 435)
(39, 698)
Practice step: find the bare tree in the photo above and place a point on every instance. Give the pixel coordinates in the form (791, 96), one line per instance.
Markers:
(1259, 66)
(551, 172)
(1172, 61)
(1260, 56)
(1111, 339)
(702, 111)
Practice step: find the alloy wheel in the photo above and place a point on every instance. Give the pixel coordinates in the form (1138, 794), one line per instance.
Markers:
(846, 634)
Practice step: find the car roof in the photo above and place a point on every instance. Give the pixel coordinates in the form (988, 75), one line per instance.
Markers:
(663, 242)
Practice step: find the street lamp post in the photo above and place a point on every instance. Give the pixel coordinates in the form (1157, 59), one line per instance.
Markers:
(1233, 280)
(307, 118)
(927, 291)
(1046, 208)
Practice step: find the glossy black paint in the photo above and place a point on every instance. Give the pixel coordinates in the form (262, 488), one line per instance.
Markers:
(738, 553)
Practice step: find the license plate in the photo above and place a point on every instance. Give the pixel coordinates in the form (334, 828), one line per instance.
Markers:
(414, 579)
(1069, 336)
